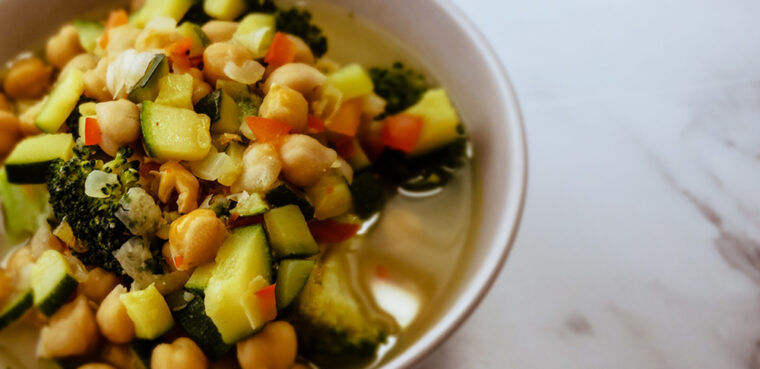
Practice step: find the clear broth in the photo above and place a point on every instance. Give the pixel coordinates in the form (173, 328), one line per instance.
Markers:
(406, 264)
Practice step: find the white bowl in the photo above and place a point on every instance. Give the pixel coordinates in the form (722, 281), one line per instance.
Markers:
(462, 61)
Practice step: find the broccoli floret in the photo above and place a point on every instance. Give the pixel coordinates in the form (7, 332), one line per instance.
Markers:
(332, 324)
(401, 87)
(298, 22)
(93, 220)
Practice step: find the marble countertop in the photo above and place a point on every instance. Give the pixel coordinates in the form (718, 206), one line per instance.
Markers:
(640, 245)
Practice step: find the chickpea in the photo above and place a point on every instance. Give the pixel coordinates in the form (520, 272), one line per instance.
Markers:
(119, 124)
(98, 284)
(96, 366)
(9, 131)
(301, 77)
(83, 62)
(122, 38)
(182, 353)
(175, 176)
(220, 31)
(261, 169)
(18, 261)
(27, 118)
(27, 79)
(303, 51)
(6, 287)
(195, 238)
(120, 356)
(274, 348)
(63, 46)
(305, 160)
(72, 331)
(288, 105)
(95, 81)
(200, 87)
(112, 318)
(216, 57)
(5, 105)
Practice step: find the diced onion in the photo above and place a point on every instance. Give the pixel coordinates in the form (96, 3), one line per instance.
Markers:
(248, 73)
(139, 212)
(96, 183)
(128, 68)
(161, 23)
(217, 167)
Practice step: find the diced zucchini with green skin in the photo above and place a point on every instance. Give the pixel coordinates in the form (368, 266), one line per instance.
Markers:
(201, 329)
(283, 195)
(244, 256)
(29, 161)
(224, 9)
(148, 86)
(252, 205)
(291, 278)
(256, 32)
(149, 312)
(222, 110)
(176, 90)
(289, 234)
(237, 91)
(331, 196)
(353, 81)
(200, 40)
(61, 102)
(174, 9)
(199, 279)
(441, 121)
(52, 282)
(18, 304)
(174, 133)
(23, 208)
(89, 32)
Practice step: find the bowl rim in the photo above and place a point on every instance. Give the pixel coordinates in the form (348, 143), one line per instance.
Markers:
(511, 217)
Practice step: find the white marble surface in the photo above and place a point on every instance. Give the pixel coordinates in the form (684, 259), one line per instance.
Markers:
(640, 246)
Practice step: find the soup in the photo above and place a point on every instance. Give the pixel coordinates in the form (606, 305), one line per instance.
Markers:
(397, 267)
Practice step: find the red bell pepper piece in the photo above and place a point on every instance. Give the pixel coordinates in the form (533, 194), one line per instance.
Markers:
(402, 132)
(268, 130)
(92, 134)
(330, 231)
(281, 52)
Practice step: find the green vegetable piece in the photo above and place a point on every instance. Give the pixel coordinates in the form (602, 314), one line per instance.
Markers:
(353, 81)
(200, 40)
(61, 102)
(18, 304)
(176, 90)
(331, 196)
(149, 312)
(223, 111)
(332, 323)
(148, 86)
(93, 220)
(52, 282)
(399, 86)
(199, 279)
(298, 22)
(243, 257)
(441, 121)
(89, 32)
(256, 32)
(283, 195)
(23, 208)
(201, 329)
(289, 234)
(174, 9)
(224, 9)
(252, 205)
(30, 160)
(291, 278)
(174, 133)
